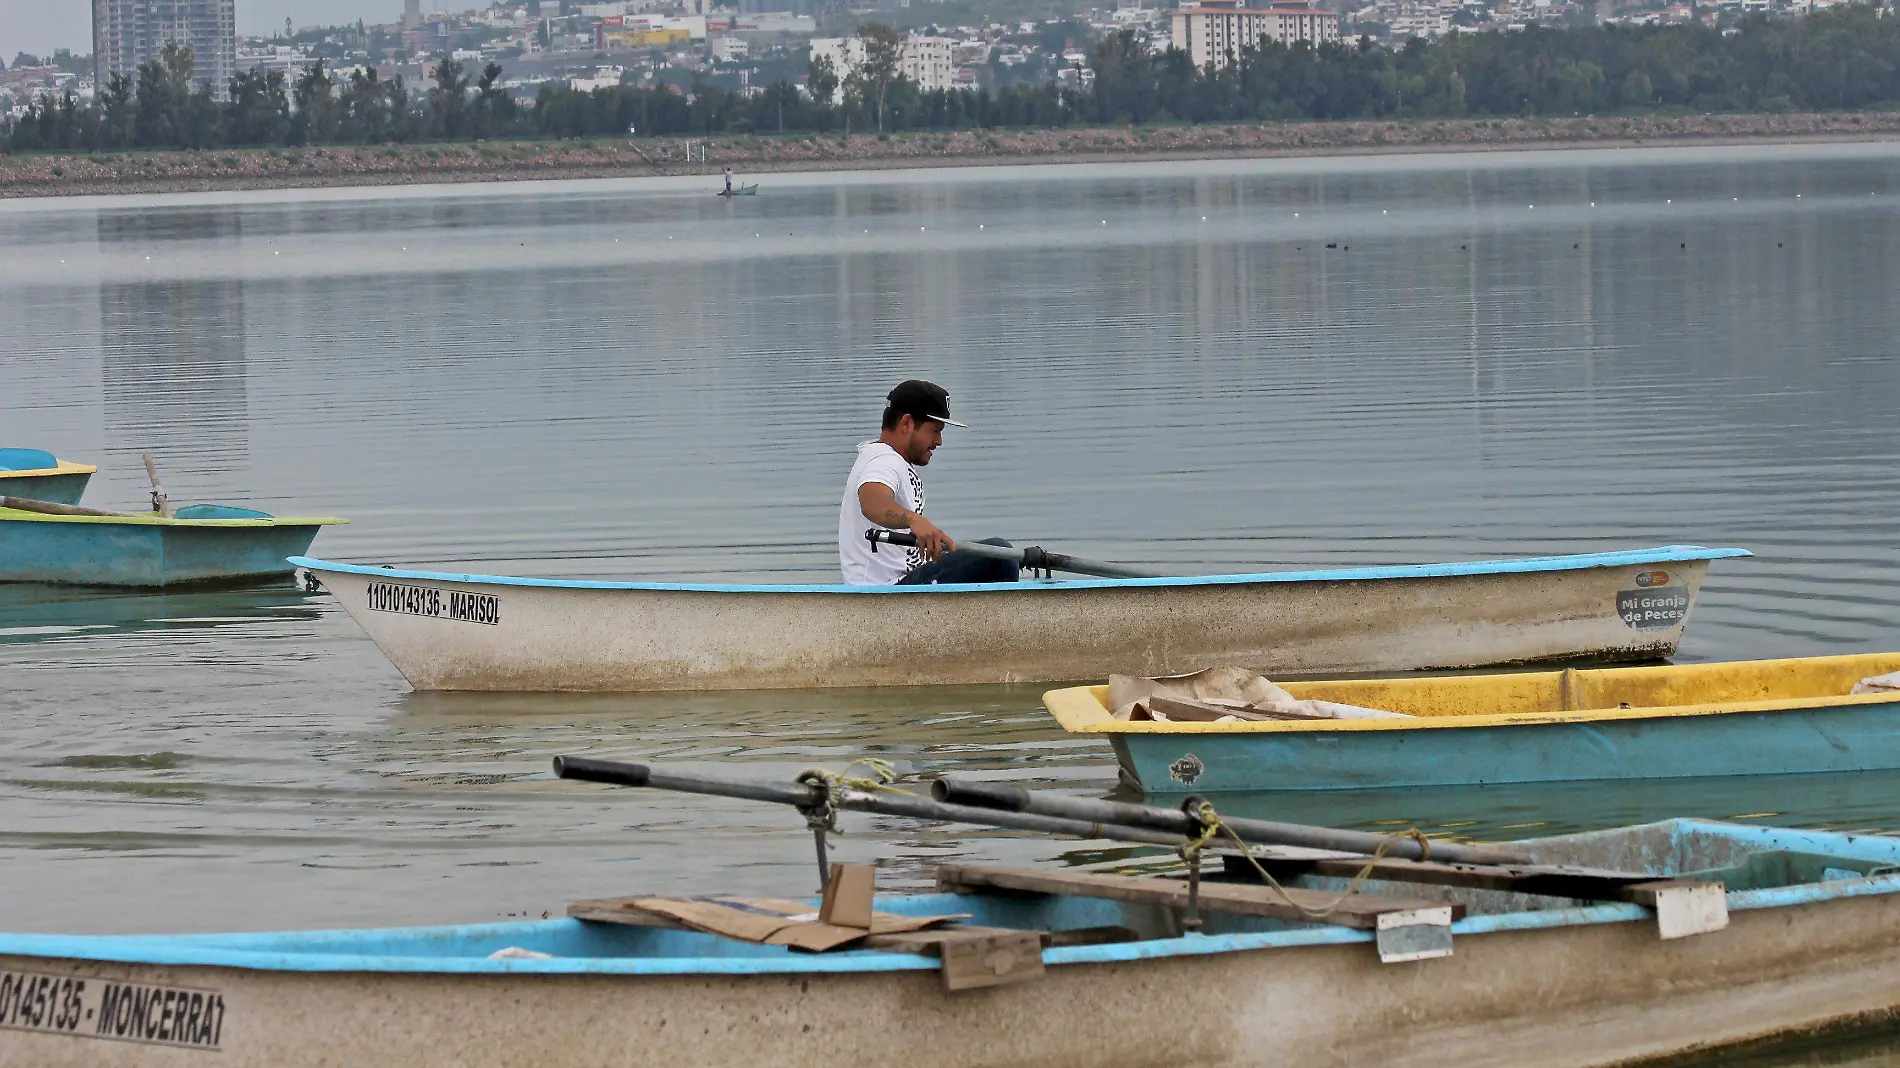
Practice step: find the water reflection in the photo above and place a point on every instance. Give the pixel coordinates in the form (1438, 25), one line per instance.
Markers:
(174, 380)
(30, 612)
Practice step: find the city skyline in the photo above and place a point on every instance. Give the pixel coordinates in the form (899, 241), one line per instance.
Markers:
(39, 28)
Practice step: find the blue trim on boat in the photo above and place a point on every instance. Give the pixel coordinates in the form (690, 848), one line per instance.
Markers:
(284, 951)
(1846, 737)
(1581, 561)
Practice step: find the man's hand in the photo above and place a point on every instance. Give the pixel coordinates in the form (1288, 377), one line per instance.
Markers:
(931, 541)
(879, 504)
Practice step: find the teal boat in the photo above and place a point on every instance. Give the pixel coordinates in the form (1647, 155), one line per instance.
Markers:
(1800, 932)
(199, 544)
(39, 475)
(1754, 717)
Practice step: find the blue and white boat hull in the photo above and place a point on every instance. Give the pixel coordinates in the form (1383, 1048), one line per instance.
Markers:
(1812, 940)
(447, 631)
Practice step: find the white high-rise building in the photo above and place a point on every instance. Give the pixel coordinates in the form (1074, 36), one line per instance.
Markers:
(928, 61)
(126, 33)
(1213, 31)
(931, 62)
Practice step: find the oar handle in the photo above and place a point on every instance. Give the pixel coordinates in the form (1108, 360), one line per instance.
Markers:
(1033, 558)
(28, 504)
(160, 503)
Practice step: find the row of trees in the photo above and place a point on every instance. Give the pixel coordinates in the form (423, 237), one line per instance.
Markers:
(1838, 59)
(161, 107)
(1843, 58)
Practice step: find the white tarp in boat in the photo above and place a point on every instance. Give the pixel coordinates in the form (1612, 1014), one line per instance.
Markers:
(1221, 695)
(1888, 683)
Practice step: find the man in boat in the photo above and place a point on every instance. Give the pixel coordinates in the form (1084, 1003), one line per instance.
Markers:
(728, 180)
(885, 490)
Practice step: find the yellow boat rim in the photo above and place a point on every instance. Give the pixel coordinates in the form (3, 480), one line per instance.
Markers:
(1531, 697)
(66, 467)
(153, 519)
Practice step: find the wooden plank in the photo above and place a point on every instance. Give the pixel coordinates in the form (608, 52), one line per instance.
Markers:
(929, 943)
(990, 959)
(1587, 884)
(1359, 910)
(616, 910)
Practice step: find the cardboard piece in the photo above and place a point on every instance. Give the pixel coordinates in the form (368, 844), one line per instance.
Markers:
(774, 922)
(849, 889)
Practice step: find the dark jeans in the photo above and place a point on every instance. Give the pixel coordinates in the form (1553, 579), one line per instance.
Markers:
(962, 566)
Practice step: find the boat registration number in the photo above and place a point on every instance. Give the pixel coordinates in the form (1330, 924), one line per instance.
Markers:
(103, 1008)
(429, 602)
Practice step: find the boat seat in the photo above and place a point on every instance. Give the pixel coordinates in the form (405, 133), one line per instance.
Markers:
(1288, 904)
(27, 460)
(218, 511)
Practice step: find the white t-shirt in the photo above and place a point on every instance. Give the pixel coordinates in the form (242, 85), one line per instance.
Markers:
(877, 462)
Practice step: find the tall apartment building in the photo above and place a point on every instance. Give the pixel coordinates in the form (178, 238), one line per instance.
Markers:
(411, 14)
(928, 61)
(1213, 31)
(126, 33)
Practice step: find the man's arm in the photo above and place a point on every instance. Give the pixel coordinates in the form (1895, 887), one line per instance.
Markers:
(879, 504)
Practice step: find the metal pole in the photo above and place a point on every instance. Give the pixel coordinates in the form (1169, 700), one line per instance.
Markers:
(1003, 797)
(806, 796)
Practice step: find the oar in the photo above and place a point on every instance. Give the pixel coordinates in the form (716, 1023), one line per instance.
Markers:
(811, 796)
(27, 504)
(1033, 558)
(159, 503)
(997, 806)
(1007, 798)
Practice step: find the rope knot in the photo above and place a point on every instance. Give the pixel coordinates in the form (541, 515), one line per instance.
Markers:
(824, 815)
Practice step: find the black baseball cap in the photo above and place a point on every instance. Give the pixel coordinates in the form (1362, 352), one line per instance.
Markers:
(923, 400)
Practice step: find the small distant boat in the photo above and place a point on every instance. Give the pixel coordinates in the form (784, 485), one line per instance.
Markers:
(40, 475)
(199, 544)
(741, 191)
(447, 631)
(1760, 717)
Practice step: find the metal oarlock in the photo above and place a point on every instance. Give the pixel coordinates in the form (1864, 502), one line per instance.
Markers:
(1191, 918)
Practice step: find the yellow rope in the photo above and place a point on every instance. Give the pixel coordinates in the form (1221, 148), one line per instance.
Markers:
(1212, 824)
(835, 783)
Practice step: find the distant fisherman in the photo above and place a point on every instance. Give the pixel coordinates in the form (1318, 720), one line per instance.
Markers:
(728, 179)
(884, 490)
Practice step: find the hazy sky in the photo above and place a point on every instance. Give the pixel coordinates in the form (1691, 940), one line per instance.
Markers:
(39, 26)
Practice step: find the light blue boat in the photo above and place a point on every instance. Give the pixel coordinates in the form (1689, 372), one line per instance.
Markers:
(40, 476)
(200, 544)
(447, 630)
(1756, 717)
(1800, 930)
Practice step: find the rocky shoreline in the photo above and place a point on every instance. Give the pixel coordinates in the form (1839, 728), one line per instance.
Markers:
(74, 174)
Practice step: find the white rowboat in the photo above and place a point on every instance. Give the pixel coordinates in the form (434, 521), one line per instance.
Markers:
(448, 631)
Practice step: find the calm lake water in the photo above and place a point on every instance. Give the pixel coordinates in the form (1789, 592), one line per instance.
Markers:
(1196, 366)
